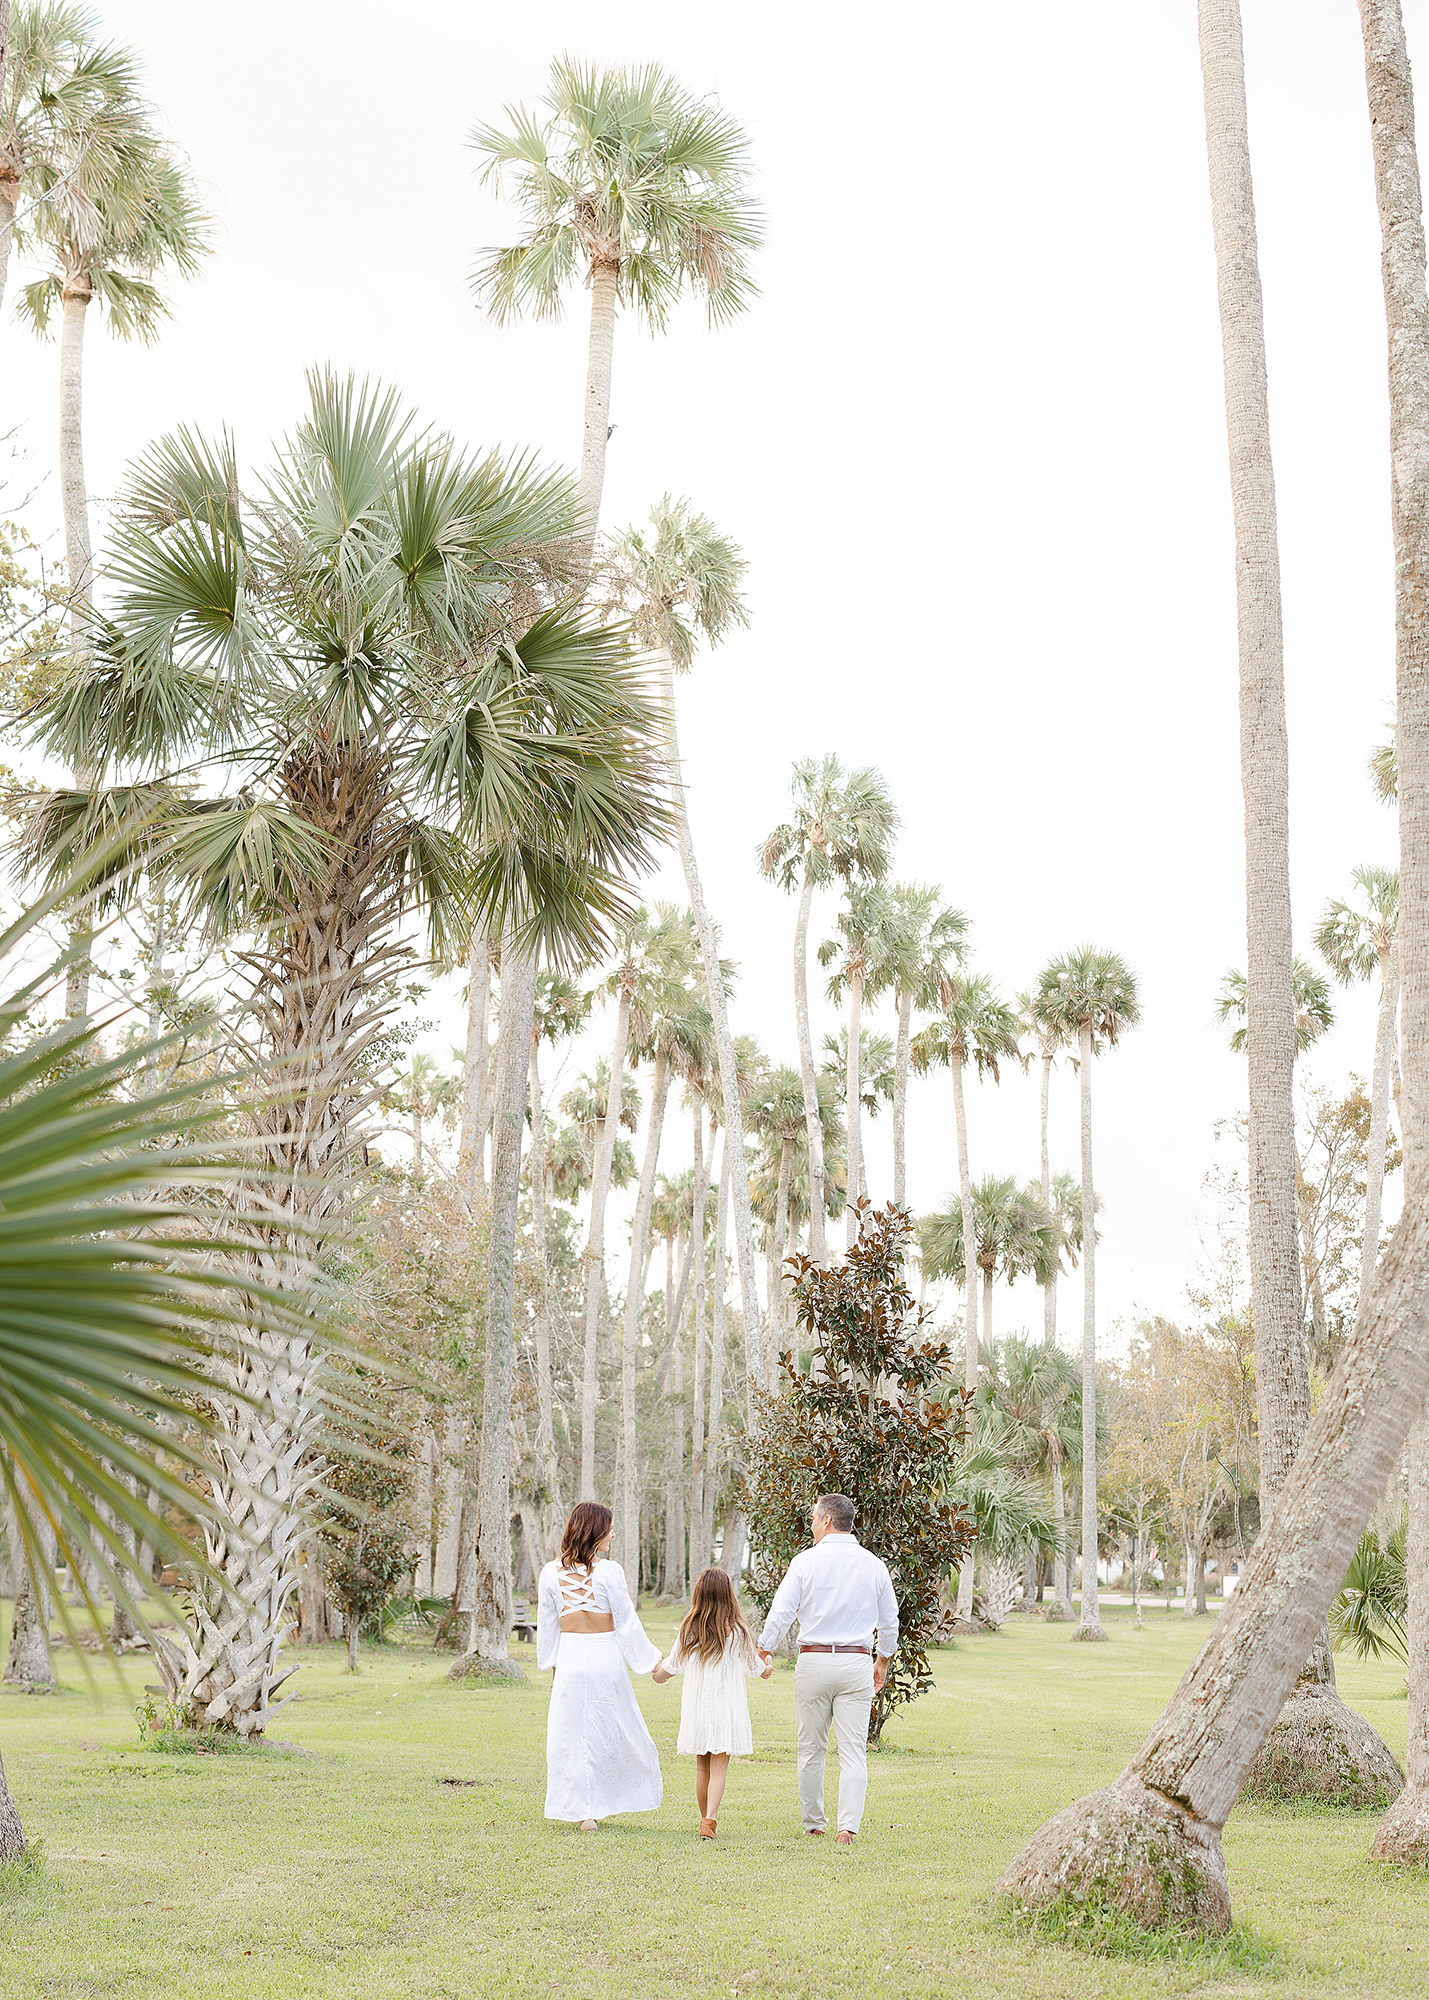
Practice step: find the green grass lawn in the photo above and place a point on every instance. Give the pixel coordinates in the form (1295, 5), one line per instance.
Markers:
(350, 1869)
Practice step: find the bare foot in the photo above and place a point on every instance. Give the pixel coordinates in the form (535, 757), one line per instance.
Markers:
(843, 1838)
(589, 1826)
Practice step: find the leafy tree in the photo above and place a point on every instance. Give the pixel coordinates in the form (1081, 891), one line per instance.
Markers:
(363, 1518)
(866, 1419)
(632, 187)
(1371, 1612)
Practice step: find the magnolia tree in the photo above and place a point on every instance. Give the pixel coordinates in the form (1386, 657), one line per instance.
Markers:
(870, 1419)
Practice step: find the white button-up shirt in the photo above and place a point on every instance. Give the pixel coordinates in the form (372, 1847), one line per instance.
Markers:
(839, 1593)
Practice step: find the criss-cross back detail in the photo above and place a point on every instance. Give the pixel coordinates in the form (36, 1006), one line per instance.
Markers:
(577, 1591)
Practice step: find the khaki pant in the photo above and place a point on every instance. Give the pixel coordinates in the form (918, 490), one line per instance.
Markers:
(837, 1688)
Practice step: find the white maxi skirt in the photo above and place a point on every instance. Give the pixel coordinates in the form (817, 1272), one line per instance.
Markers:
(600, 1757)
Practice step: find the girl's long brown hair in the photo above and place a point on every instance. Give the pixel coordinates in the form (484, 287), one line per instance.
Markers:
(586, 1529)
(714, 1617)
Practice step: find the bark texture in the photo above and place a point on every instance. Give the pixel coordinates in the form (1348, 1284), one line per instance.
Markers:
(604, 288)
(853, 1106)
(634, 1300)
(1089, 1625)
(965, 1198)
(12, 1834)
(1404, 1834)
(475, 1094)
(607, 1132)
(1379, 1116)
(548, 1464)
(813, 1125)
(1167, 1809)
(27, 1664)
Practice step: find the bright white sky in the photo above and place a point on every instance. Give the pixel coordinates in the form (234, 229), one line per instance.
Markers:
(970, 436)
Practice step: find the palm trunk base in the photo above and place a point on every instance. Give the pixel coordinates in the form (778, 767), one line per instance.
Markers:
(486, 1666)
(1057, 1613)
(1322, 1751)
(1402, 1836)
(12, 1834)
(1091, 1632)
(1134, 1848)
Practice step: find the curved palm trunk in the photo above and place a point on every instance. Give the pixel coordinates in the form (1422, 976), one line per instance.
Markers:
(724, 1048)
(595, 1246)
(703, 1162)
(853, 1105)
(813, 1126)
(1403, 1835)
(965, 1194)
(491, 1594)
(712, 1447)
(475, 1113)
(546, 1457)
(1090, 1626)
(604, 285)
(900, 1099)
(1379, 1117)
(1049, 1290)
(634, 1300)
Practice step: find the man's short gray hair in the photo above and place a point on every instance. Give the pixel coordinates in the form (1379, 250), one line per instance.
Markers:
(838, 1510)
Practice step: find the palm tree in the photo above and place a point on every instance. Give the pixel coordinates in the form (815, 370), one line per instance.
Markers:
(841, 831)
(476, 1079)
(670, 1029)
(1091, 997)
(679, 582)
(1036, 1390)
(1013, 1237)
(860, 956)
(1403, 1834)
(67, 101)
(364, 660)
(777, 1120)
(923, 945)
(632, 187)
(1355, 942)
(423, 1091)
(1037, 1021)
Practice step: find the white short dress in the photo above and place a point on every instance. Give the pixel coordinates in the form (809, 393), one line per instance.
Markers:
(714, 1705)
(600, 1757)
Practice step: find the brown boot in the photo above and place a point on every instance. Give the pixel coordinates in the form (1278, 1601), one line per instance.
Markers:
(707, 1829)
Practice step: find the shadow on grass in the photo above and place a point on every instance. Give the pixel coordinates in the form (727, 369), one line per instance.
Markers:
(1100, 1928)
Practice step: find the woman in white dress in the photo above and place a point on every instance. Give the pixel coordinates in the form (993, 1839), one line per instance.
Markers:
(600, 1758)
(715, 1652)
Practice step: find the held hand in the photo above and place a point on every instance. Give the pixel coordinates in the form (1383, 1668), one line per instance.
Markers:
(880, 1675)
(660, 1676)
(767, 1660)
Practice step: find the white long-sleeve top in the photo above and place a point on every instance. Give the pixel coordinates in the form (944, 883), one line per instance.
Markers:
(838, 1592)
(611, 1593)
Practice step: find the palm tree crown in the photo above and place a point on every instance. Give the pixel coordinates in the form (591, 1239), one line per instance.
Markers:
(841, 829)
(677, 580)
(620, 170)
(1314, 1010)
(1089, 990)
(1354, 939)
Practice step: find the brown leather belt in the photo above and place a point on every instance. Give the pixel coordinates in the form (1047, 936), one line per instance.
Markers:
(836, 1649)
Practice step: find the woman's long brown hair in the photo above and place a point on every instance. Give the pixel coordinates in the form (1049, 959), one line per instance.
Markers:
(714, 1617)
(586, 1529)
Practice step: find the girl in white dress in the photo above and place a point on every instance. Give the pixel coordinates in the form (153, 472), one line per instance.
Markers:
(600, 1758)
(715, 1652)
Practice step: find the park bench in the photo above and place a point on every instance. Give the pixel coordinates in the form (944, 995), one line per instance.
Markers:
(523, 1619)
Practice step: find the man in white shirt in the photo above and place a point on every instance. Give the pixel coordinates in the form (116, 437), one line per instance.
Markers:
(839, 1593)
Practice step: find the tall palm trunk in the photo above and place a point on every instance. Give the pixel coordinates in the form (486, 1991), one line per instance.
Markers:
(703, 1162)
(28, 1661)
(1090, 1625)
(1049, 1290)
(604, 286)
(634, 1300)
(985, 1331)
(778, 1288)
(1379, 1116)
(546, 1457)
(900, 1099)
(1061, 1567)
(74, 496)
(471, 1149)
(813, 1126)
(965, 1196)
(724, 1045)
(1403, 1835)
(9, 202)
(606, 1135)
(491, 1596)
(712, 1448)
(853, 1105)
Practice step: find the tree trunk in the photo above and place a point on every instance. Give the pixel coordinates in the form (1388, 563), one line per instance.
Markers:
(604, 286)
(1061, 1566)
(1403, 1835)
(1151, 1842)
(697, 1411)
(491, 1600)
(417, 1122)
(1379, 1117)
(1090, 1624)
(74, 496)
(779, 1331)
(965, 1194)
(595, 1247)
(900, 1100)
(724, 1047)
(28, 1662)
(475, 1110)
(712, 1449)
(1188, 1608)
(813, 1126)
(547, 1460)
(12, 1834)
(1049, 1290)
(853, 1106)
(634, 1300)
(985, 1333)
(676, 1562)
